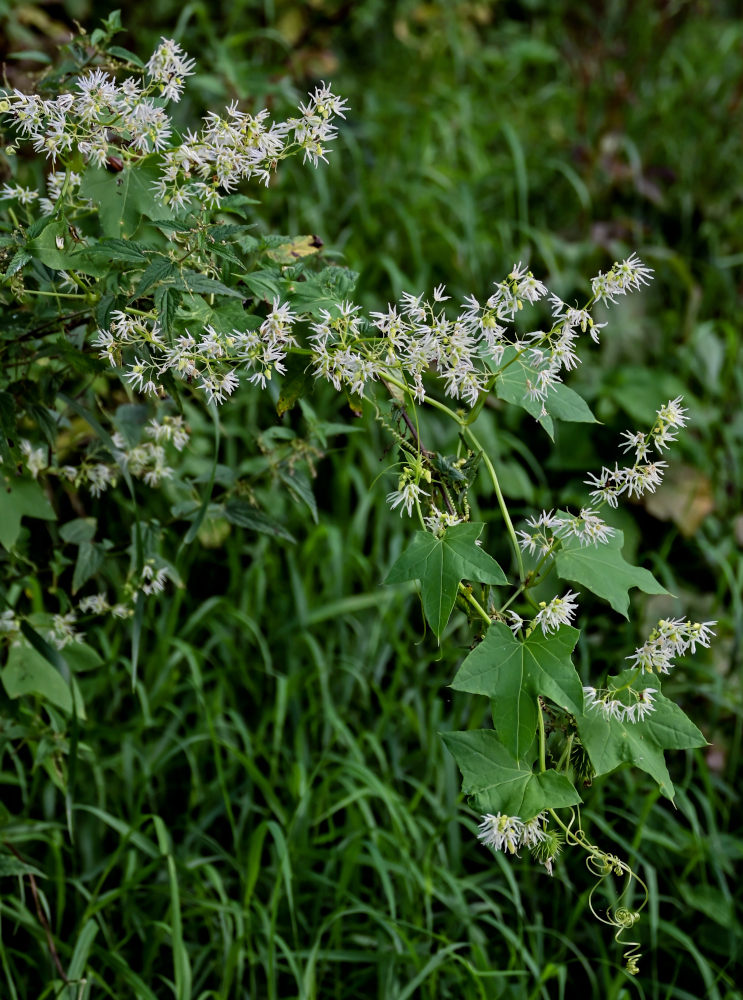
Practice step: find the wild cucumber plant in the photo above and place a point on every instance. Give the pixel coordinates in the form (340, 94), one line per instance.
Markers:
(129, 267)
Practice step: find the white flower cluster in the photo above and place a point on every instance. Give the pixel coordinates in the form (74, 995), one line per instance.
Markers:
(97, 476)
(97, 604)
(623, 277)
(587, 527)
(146, 461)
(239, 146)
(211, 357)
(439, 520)
(551, 615)
(559, 611)
(168, 66)
(604, 702)
(509, 833)
(416, 336)
(108, 121)
(642, 477)
(62, 631)
(671, 638)
(413, 338)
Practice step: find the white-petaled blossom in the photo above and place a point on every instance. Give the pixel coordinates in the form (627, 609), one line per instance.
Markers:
(501, 832)
(62, 631)
(35, 458)
(168, 66)
(633, 706)
(104, 117)
(405, 496)
(516, 622)
(96, 604)
(25, 196)
(671, 638)
(439, 520)
(509, 833)
(153, 578)
(625, 276)
(559, 611)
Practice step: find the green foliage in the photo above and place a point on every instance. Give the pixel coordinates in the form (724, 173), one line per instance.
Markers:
(441, 564)
(500, 781)
(514, 673)
(641, 743)
(307, 837)
(605, 571)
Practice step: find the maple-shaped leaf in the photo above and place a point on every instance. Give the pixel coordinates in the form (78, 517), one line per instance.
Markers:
(610, 742)
(514, 673)
(499, 782)
(604, 570)
(440, 564)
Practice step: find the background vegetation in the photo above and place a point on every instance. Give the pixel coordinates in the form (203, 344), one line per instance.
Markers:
(271, 812)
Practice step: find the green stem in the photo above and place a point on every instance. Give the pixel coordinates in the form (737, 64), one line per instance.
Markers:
(54, 295)
(429, 400)
(542, 740)
(471, 599)
(501, 500)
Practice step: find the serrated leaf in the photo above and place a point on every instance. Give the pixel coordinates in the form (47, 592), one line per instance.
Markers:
(89, 560)
(241, 513)
(167, 300)
(604, 571)
(191, 281)
(224, 230)
(157, 270)
(266, 284)
(10, 865)
(514, 673)
(20, 498)
(118, 249)
(20, 260)
(440, 564)
(322, 290)
(222, 251)
(499, 782)
(610, 742)
(82, 529)
(103, 311)
(300, 488)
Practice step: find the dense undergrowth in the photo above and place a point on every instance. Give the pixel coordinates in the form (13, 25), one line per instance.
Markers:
(271, 813)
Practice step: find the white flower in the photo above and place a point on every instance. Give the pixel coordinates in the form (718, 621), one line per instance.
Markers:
(670, 638)
(559, 611)
(503, 833)
(405, 496)
(95, 604)
(604, 702)
(623, 277)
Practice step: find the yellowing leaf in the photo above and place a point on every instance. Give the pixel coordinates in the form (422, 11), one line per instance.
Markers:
(300, 246)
